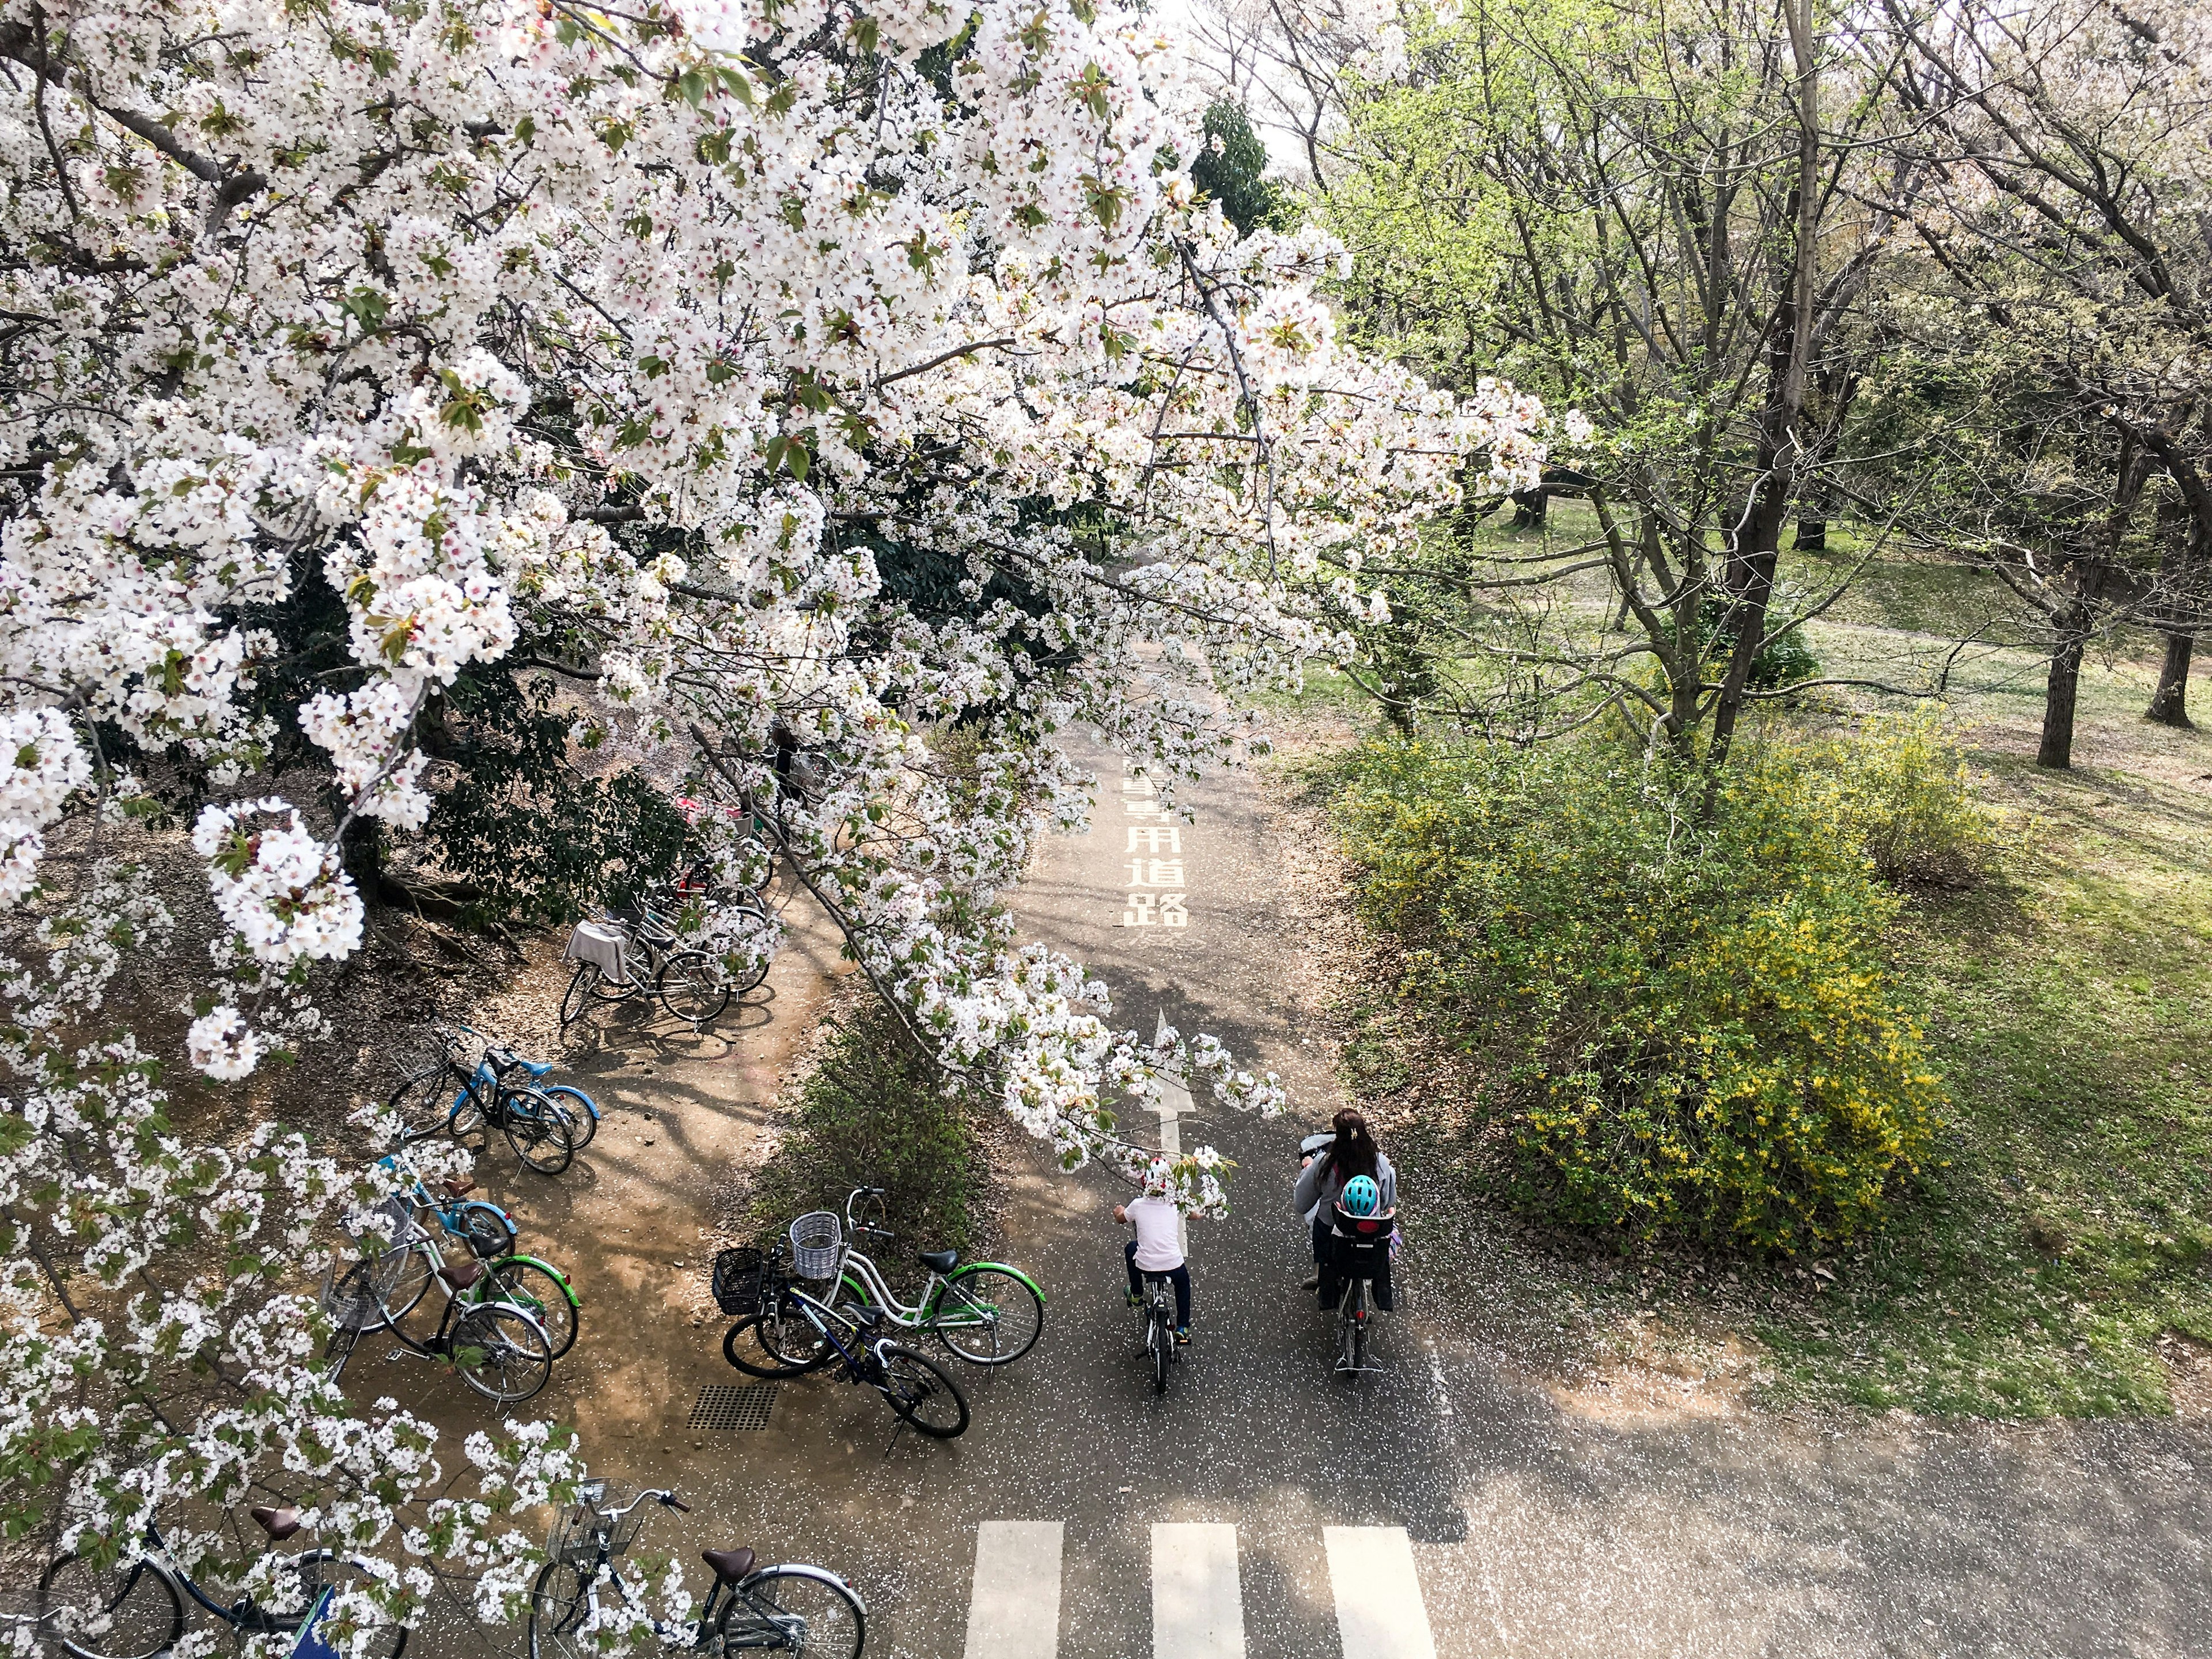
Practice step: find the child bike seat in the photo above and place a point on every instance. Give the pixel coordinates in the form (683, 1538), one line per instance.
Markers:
(461, 1185)
(279, 1524)
(461, 1274)
(939, 1262)
(729, 1565)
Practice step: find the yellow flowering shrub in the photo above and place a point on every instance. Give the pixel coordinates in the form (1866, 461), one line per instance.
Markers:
(1686, 1019)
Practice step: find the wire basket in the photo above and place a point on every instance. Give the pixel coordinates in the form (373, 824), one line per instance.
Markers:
(816, 1243)
(740, 1278)
(580, 1530)
(350, 1303)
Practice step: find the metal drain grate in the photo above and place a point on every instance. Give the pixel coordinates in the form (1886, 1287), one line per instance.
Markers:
(727, 1406)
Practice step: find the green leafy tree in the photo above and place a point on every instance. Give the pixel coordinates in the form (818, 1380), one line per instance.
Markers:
(1232, 169)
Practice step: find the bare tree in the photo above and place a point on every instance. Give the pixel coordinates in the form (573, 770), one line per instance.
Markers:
(2066, 144)
(1666, 214)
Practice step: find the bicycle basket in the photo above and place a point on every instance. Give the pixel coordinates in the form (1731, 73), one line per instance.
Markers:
(817, 1243)
(743, 1278)
(350, 1303)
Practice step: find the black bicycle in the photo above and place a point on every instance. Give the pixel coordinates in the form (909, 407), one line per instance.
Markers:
(792, 1333)
(498, 1092)
(1161, 1348)
(135, 1609)
(789, 1608)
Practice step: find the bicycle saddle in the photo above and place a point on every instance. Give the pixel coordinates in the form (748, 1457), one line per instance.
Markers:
(461, 1185)
(866, 1317)
(461, 1274)
(279, 1524)
(940, 1262)
(729, 1565)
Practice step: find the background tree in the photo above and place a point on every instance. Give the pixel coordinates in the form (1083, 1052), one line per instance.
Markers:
(2064, 149)
(1656, 214)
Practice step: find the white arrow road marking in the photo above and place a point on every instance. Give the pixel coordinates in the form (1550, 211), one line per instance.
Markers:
(1013, 1611)
(1198, 1604)
(1379, 1614)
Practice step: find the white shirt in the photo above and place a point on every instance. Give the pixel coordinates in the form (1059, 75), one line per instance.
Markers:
(1159, 1244)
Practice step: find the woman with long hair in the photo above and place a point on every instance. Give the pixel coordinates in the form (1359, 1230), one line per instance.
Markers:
(1351, 1156)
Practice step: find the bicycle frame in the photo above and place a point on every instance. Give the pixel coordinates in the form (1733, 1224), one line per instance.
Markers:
(245, 1614)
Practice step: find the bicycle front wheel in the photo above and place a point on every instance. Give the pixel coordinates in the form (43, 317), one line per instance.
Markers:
(691, 987)
(560, 1605)
(538, 1131)
(500, 1351)
(794, 1609)
(540, 1292)
(923, 1394)
(988, 1315)
(128, 1611)
(321, 1569)
(774, 1345)
(399, 1278)
(422, 1104)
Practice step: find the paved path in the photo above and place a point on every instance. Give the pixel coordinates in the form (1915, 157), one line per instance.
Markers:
(1441, 1508)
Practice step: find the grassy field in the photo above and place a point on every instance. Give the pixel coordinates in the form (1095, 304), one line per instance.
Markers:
(2056, 1255)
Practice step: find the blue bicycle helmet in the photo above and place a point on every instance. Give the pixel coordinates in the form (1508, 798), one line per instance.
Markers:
(1360, 1197)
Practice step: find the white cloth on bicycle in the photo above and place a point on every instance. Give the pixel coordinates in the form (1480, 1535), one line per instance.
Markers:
(601, 945)
(1159, 1245)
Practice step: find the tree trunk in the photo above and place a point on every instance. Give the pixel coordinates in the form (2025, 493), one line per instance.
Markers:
(2059, 693)
(2169, 704)
(1529, 507)
(1811, 535)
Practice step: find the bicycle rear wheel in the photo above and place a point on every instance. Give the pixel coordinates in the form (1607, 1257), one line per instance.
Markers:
(583, 1119)
(128, 1611)
(922, 1393)
(537, 1130)
(559, 1605)
(794, 1609)
(543, 1294)
(1162, 1342)
(988, 1315)
(321, 1569)
(500, 1351)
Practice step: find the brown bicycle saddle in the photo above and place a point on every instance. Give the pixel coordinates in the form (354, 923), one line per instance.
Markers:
(729, 1564)
(279, 1524)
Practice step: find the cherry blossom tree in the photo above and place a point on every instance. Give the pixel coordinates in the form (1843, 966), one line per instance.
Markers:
(655, 350)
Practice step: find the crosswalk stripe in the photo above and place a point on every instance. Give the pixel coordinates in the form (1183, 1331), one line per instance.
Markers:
(1197, 1605)
(1379, 1614)
(1013, 1611)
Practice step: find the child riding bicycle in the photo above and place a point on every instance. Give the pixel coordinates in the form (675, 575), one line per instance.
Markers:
(1156, 1250)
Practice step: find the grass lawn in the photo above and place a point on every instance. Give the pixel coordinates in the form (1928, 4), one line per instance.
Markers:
(2060, 1241)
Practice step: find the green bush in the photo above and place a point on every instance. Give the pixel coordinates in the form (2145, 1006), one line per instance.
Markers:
(1685, 1022)
(1908, 799)
(873, 1113)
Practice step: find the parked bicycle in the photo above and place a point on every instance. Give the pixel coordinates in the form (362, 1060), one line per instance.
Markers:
(135, 1609)
(530, 1282)
(985, 1312)
(790, 1332)
(627, 954)
(789, 1608)
(496, 1346)
(489, 1095)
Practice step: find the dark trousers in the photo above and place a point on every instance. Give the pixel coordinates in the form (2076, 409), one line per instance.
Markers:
(1332, 1287)
(1178, 1277)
